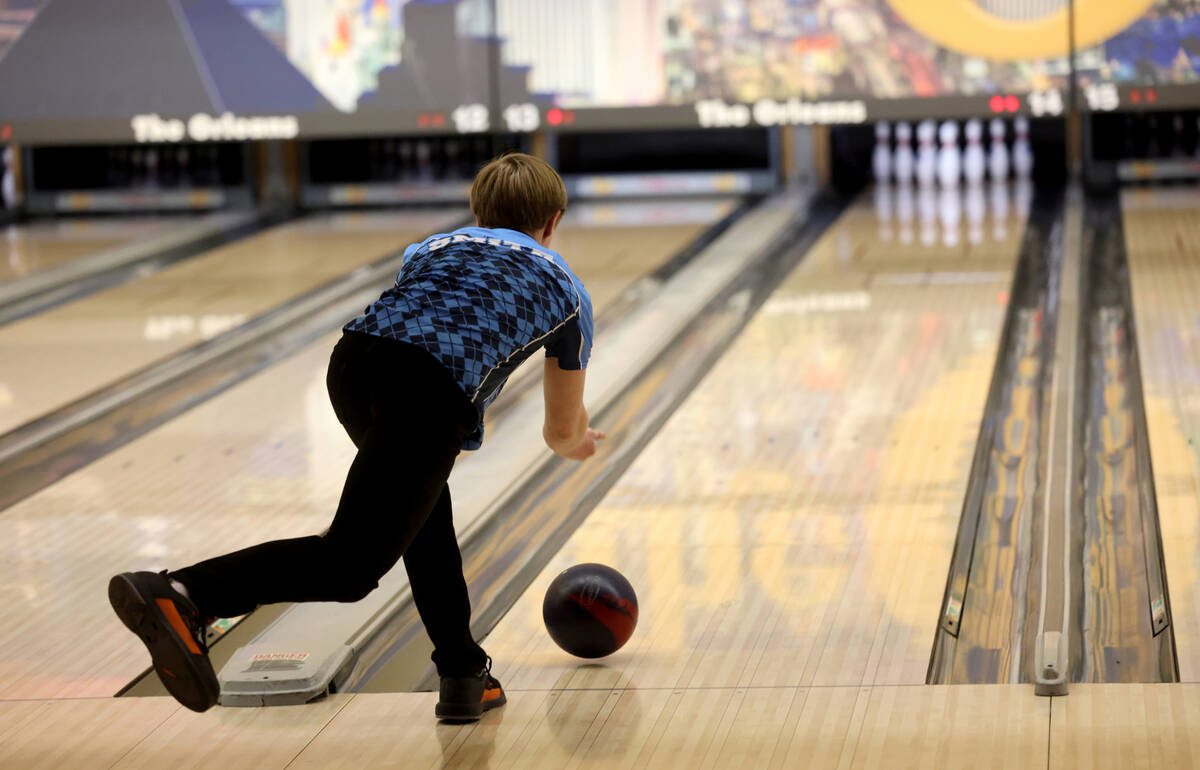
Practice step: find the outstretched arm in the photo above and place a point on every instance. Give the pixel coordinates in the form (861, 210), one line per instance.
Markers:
(566, 426)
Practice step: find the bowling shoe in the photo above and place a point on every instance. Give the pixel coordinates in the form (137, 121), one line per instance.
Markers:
(171, 628)
(465, 698)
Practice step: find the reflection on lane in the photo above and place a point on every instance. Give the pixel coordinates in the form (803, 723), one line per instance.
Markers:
(58, 356)
(945, 217)
(793, 521)
(1162, 230)
(27, 249)
(265, 459)
(993, 611)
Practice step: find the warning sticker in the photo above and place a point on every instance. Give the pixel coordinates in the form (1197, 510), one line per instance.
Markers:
(277, 661)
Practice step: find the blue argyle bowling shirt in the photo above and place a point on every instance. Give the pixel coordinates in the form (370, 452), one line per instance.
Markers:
(483, 300)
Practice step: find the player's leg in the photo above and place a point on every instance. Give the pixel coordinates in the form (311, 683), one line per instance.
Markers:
(389, 492)
(416, 428)
(439, 590)
(407, 418)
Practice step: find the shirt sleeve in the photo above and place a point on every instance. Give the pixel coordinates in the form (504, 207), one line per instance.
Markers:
(569, 346)
(404, 266)
(572, 344)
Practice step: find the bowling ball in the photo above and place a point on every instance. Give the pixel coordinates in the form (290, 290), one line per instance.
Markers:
(590, 610)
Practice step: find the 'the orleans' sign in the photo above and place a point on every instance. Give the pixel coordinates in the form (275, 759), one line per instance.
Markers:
(226, 127)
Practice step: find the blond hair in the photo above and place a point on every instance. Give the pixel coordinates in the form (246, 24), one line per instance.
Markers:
(518, 192)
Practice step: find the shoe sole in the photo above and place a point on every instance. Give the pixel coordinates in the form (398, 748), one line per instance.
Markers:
(187, 676)
(462, 713)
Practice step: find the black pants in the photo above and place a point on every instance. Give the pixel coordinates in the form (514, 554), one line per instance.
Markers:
(408, 418)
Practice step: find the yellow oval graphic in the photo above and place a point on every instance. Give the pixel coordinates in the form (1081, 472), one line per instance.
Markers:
(964, 27)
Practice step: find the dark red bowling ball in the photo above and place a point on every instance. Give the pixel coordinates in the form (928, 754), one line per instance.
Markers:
(590, 610)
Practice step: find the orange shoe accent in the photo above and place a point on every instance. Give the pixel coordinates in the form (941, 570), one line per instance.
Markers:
(168, 608)
(168, 672)
(492, 694)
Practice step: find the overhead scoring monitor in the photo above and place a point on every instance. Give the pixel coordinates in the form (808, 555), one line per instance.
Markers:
(232, 70)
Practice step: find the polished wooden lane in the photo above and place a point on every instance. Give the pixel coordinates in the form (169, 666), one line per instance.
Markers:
(609, 255)
(723, 551)
(263, 460)
(820, 727)
(27, 249)
(1096, 727)
(792, 523)
(1120, 726)
(1162, 236)
(83, 733)
(58, 356)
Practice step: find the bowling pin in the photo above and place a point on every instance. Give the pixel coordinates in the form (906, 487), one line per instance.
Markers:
(184, 166)
(881, 160)
(1157, 148)
(883, 209)
(168, 172)
(375, 159)
(1189, 139)
(998, 152)
(111, 167)
(152, 167)
(137, 162)
(408, 159)
(926, 152)
(976, 209)
(927, 208)
(902, 161)
(905, 210)
(950, 210)
(452, 161)
(391, 170)
(1022, 155)
(999, 204)
(16, 255)
(424, 158)
(440, 160)
(8, 185)
(211, 165)
(1023, 197)
(949, 162)
(973, 159)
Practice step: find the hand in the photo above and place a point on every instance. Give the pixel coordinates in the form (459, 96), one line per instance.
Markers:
(587, 447)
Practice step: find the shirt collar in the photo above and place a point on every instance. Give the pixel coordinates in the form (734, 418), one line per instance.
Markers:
(516, 236)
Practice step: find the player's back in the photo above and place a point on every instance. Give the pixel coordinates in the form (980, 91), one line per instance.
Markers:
(482, 301)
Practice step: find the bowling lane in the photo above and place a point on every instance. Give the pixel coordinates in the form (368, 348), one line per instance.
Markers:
(792, 523)
(611, 245)
(37, 246)
(1162, 238)
(265, 459)
(58, 356)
